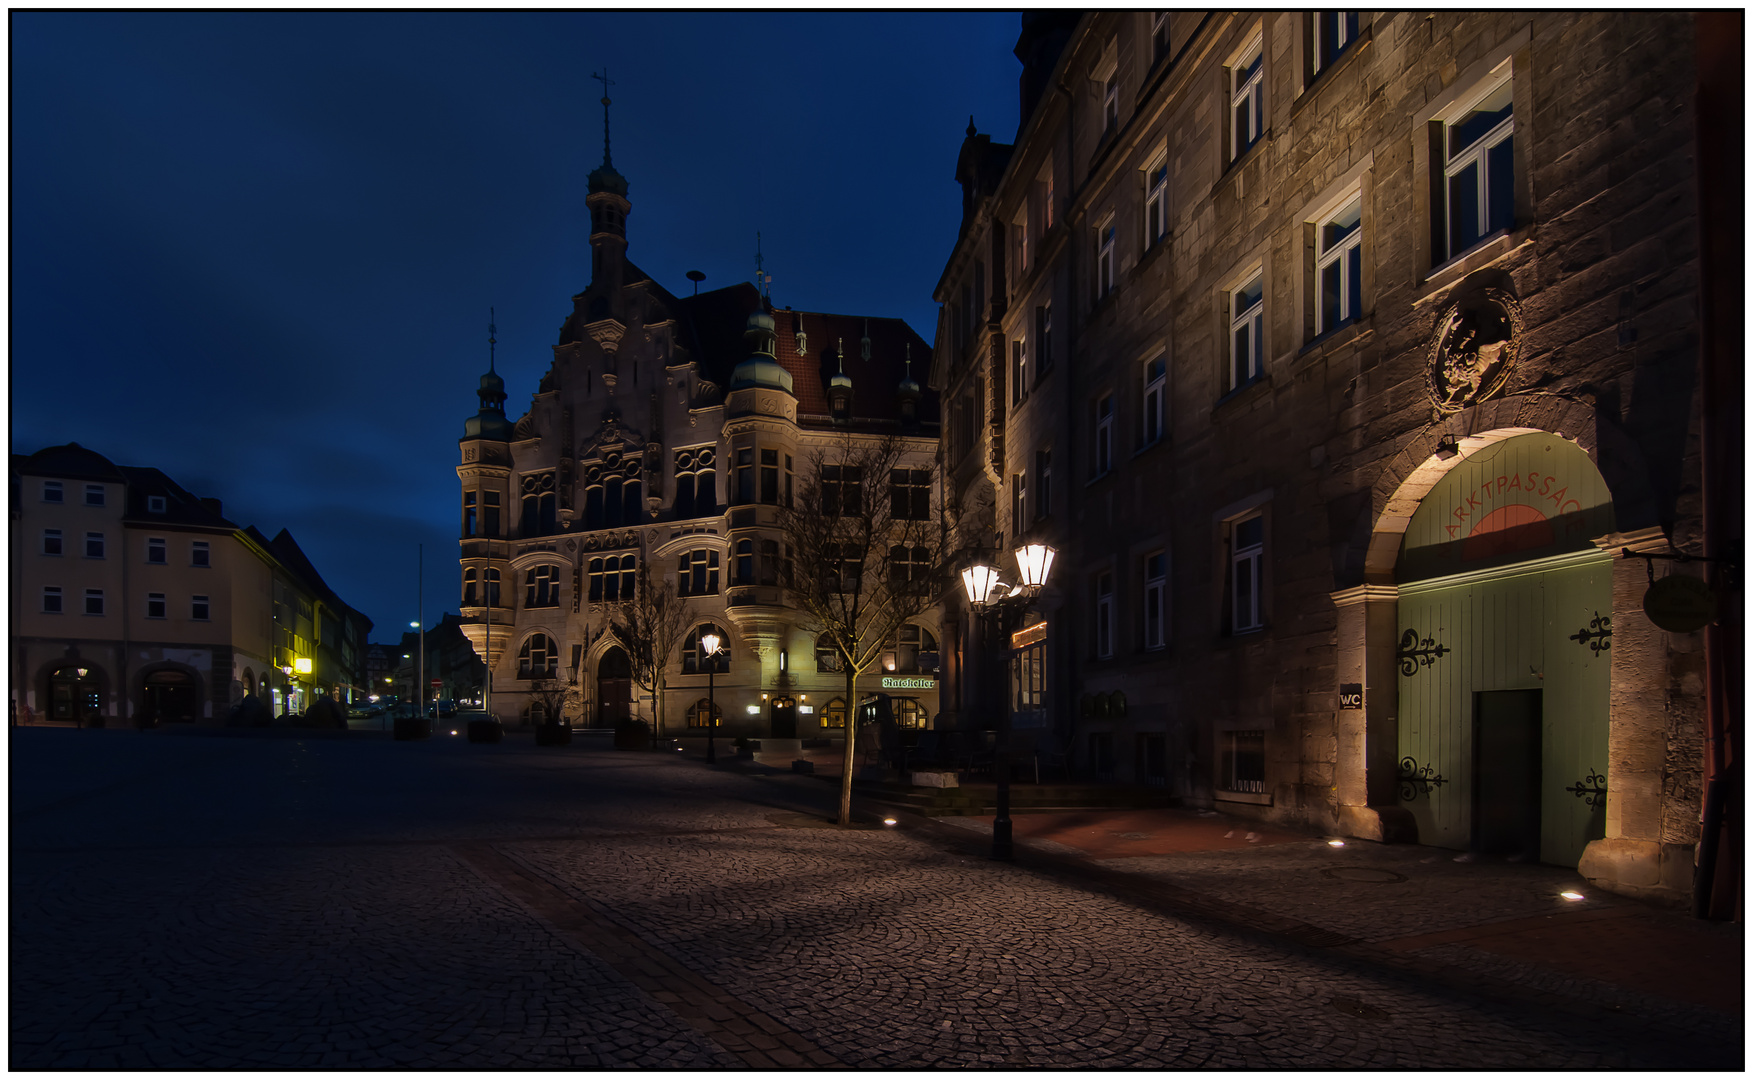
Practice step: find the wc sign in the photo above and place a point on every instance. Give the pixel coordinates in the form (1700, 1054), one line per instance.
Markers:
(1351, 695)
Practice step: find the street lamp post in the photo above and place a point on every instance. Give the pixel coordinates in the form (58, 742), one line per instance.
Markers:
(1005, 605)
(710, 643)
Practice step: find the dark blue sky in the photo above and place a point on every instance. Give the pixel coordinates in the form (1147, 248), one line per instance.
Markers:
(257, 250)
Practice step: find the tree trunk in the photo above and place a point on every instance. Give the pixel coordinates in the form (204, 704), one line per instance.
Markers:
(851, 737)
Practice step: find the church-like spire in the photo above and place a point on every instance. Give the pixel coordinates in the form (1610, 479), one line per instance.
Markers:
(604, 177)
(489, 422)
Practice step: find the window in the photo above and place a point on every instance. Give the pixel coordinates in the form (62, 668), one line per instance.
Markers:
(1156, 201)
(538, 659)
(705, 713)
(697, 573)
(490, 513)
(1103, 429)
(1105, 258)
(611, 579)
(469, 512)
(842, 490)
(912, 642)
(744, 573)
(1339, 266)
(1104, 615)
(199, 608)
(770, 477)
(1020, 230)
(770, 564)
(827, 657)
(155, 605)
(842, 568)
(51, 599)
(94, 545)
(538, 504)
(1478, 192)
(1019, 504)
(1156, 600)
(1028, 676)
(1334, 33)
(1247, 555)
(491, 577)
(541, 586)
(1043, 481)
(835, 713)
(910, 494)
(612, 495)
(94, 495)
(1159, 36)
(696, 483)
(1156, 376)
(1111, 102)
(1019, 371)
(1043, 340)
(1047, 201)
(909, 565)
(694, 659)
(52, 491)
(155, 504)
(94, 601)
(469, 584)
(788, 480)
(155, 550)
(200, 554)
(51, 541)
(1247, 324)
(1242, 761)
(1247, 99)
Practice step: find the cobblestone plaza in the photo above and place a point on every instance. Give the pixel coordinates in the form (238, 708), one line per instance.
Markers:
(212, 902)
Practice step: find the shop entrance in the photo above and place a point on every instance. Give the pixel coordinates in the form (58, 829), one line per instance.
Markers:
(170, 696)
(784, 717)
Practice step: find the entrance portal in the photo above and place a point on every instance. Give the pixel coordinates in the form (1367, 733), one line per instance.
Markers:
(73, 693)
(614, 687)
(784, 718)
(170, 696)
(1506, 773)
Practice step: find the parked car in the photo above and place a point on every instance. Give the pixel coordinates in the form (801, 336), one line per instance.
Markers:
(442, 709)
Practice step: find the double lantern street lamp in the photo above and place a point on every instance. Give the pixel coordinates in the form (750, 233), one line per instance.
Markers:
(1006, 605)
(709, 644)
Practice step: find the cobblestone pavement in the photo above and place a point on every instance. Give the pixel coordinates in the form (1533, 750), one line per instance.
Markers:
(234, 903)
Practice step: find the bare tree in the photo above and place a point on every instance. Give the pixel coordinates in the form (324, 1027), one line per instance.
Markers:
(863, 545)
(550, 694)
(649, 624)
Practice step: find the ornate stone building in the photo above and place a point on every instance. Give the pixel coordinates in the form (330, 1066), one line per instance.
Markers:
(1344, 355)
(668, 431)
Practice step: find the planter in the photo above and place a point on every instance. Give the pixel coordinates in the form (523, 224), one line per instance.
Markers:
(412, 727)
(486, 731)
(553, 734)
(632, 735)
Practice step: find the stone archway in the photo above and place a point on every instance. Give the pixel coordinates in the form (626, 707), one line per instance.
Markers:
(614, 687)
(169, 694)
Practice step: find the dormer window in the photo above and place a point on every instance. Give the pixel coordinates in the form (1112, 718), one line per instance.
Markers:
(155, 504)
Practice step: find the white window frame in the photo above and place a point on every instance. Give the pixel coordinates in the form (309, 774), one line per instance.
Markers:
(1104, 435)
(1159, 36)
(1247, 615)
(1105, 258)
(1111, 102)
(95, 546)
(1156, 600)
(1345, 37)
(1477, 154)
(95, 495)
(93, 596)
(1248, 90)
(1347, 250)
(157, 546)
(200, 609)
(155, 606)
(1105, 615)
(1156, 201)
(1154, 400)
(1019, 370)
(1019, 503)
(53, 492)
(59, 543)
(200, 554)
(1253, 319)
(53, 592)
(156, 504)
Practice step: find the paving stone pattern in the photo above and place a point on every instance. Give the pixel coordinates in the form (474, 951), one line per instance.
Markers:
(210, 903)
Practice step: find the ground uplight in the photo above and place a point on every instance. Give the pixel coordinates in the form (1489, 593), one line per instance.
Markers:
(1571, 894)
(1335, 843)
(888, 821)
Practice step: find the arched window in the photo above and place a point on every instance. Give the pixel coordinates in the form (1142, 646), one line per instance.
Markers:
(73, 693)
(911, 641)
(491, 575)
(908, 714)
(611, 579)
(694, 655)
(249, 681)
(469, 581)
(827, 657)
(697, 573)
(539, 658)
(538, 504)
(696, 483)
(704, 713)
(541, 586)
(834, 715)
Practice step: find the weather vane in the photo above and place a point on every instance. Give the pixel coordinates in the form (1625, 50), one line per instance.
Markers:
(762, 279)
(607, 82)
(491, 340)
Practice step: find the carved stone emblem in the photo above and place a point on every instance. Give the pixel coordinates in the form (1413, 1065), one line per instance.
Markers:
(1478, 341)
(607, 334)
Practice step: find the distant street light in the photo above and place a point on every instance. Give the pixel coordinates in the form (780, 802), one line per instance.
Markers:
(710, 643)
(1005, 606)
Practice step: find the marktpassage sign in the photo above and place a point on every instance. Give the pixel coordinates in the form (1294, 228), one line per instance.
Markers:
(895, 683)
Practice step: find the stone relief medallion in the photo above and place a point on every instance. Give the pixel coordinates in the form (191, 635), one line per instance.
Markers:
(1477, 343)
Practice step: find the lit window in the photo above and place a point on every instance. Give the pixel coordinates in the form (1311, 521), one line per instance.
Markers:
(155, 549)
(705, 713)
(1105, 258)
(1479, 169)
(200, 554)
(1156, 600)
(155, 605)
(1104, 615)
(1156, 201)
(1247, 99)
(51, 541)
(94, 545)
(1156, 376)
(834, 715)
(1247, 563)
(1247, 326)
(1339, 266)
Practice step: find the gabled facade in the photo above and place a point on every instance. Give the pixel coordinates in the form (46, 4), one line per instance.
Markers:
(668, 431)
(1343, 355)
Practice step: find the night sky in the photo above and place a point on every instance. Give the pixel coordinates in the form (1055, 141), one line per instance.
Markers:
(257, 250)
